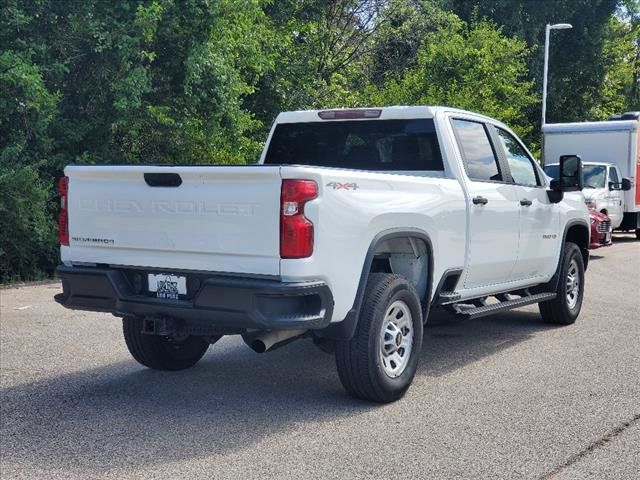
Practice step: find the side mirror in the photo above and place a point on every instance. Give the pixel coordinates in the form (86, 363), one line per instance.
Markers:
(570, 174)
(624, 185)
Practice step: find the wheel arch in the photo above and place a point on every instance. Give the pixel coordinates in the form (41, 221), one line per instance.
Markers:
(578, 232)
(345, 329)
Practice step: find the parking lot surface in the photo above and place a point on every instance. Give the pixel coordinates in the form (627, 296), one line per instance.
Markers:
(501, 397)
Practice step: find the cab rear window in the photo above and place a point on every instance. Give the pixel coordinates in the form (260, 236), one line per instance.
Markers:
(392, 145)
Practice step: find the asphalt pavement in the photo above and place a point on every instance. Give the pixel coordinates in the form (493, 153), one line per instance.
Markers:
(500, 397)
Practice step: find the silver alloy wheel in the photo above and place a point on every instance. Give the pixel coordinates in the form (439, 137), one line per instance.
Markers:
(573, 284)
(396, 339)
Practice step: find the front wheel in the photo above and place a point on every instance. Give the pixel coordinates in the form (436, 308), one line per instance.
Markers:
(565, 308)
(161, 353)
(380, 361)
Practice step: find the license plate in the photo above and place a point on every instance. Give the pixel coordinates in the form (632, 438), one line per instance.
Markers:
(167, 286)
(607, 237)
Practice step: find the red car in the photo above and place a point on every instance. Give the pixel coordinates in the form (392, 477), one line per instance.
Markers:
(600, 229)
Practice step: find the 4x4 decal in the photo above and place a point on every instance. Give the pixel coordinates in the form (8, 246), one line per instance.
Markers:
(342, 186)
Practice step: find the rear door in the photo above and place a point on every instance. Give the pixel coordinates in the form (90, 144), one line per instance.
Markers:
(222, 219)
(539, 219)
(493, 214)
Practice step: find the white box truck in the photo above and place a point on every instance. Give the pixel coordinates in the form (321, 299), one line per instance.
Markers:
(616, 142)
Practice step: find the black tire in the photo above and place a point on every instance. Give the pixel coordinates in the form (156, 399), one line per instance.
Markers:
(637, 233)
(559, 310)
(359, 359)
(161, 353)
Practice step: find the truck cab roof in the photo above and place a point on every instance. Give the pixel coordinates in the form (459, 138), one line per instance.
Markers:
(396, 112)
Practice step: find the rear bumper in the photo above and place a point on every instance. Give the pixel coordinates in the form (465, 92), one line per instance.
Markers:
(215, 302)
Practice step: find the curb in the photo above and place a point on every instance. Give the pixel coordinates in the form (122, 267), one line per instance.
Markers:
(7, 286)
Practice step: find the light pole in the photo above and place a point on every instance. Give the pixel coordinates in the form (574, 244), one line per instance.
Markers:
(555, 26)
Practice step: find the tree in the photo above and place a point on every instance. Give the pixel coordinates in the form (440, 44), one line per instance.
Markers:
(621, 54)
(577, 68)
(473, 67)
(320, 51)
(27, 238)
(628, 48)
(396, 42)
(27, 110)
(157, 81)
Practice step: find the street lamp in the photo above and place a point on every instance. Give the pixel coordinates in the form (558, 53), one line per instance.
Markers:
(555, 26)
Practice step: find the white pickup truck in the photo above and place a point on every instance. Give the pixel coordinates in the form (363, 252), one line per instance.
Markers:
(353, 224)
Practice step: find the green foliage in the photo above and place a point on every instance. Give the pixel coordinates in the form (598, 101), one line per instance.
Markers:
(27, 238)
(158, 81)
(396, 42)
(473, 67)
(27, 109)
(621, 54)
(576, 65)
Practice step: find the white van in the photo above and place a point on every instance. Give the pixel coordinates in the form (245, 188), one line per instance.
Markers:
(614, 142)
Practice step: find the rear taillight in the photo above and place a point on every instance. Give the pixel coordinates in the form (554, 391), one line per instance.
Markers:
(63, 216)
(296, 231)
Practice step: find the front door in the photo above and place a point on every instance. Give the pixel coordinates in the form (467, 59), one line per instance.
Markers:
(492, 245)
(615, 198)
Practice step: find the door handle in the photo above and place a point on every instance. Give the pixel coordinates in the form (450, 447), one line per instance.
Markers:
(479, 200)
(526, 202)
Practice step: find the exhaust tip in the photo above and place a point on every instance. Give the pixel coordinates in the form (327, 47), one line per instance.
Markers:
(261, 342)
(258, 346)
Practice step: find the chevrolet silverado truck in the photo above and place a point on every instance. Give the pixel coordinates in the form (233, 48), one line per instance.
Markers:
(350, 228)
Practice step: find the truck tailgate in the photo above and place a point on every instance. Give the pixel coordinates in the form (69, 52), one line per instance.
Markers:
(223, 219)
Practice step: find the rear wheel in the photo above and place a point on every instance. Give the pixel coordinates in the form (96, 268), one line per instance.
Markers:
(565, 308)
(380, 361)
(161, 353)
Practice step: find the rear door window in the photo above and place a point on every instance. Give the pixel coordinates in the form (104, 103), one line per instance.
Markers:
(477, 152)
(392, 145)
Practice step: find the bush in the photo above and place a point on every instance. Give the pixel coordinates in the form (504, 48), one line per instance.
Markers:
(27, 236)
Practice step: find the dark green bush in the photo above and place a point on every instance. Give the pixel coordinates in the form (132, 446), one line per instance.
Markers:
(28, 231)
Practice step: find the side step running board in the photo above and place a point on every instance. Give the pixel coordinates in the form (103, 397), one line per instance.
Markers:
(471, 311)
(448, 297)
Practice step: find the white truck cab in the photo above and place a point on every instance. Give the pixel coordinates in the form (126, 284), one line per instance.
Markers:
(602, 188)
(350, 227)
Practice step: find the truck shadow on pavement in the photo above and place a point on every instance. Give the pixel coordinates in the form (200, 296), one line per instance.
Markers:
(121, 415)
